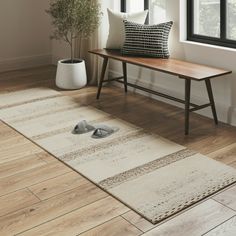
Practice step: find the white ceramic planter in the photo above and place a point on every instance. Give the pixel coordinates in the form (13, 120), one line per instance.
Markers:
(71, 75)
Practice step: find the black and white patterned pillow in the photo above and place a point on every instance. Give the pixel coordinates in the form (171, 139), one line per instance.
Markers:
(146, 40)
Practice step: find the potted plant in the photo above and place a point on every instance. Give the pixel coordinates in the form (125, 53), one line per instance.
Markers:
(73, 19)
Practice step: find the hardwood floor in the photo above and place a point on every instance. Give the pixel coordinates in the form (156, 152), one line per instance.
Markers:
(41, 196)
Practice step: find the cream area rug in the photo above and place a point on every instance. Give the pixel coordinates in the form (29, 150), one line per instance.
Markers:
(152, 175)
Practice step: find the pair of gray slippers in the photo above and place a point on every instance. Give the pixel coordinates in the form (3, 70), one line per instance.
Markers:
(99, 131)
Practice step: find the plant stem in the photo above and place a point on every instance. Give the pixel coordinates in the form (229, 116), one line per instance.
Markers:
(71, 49)
(78, 46)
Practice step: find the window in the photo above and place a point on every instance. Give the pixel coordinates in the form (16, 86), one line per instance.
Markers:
(157, 9)
(133, 6)
(212, 22)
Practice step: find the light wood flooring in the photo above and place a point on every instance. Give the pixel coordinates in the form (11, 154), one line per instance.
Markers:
(41, 196)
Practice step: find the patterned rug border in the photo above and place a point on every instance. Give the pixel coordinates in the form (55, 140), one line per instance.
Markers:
(31, 101)
(174, 214)
(145, 168)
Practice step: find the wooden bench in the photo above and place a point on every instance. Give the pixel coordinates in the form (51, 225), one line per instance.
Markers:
(182, 69)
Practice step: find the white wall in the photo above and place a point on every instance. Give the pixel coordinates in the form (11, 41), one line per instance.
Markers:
(224, 87)
(25, 29)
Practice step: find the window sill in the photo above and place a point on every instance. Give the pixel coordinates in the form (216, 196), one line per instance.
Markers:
(208, 45)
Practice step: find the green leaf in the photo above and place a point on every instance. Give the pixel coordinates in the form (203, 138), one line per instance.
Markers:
(72, 19)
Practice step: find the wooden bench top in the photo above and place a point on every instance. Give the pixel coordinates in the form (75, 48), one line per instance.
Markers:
(176, 67)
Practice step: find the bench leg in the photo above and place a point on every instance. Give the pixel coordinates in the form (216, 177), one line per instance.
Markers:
(104, 67)
(211, 98)
(125, 75)
(187, 104)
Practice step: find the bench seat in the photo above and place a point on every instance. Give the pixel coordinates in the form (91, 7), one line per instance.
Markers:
(183, 69)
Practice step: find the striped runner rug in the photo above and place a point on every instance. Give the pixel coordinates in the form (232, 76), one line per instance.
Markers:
(152, 175)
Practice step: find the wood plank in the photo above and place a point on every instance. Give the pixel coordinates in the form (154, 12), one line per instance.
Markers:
(30, 177)
(7, 133)
(7, 142)
(47, 210)
(16, 75)
(82, 219)
(3, 127)
(226, 155)
(216, 139)
(195, 221)
(170, 66)
(17, 152)
(57, 185)
(17, 200)
(26, 80)
(9, 136)
(138, 221)
(227, 198)
(228, 228)
(20, 165)
(114, 227)
(27, 85)
(44, 156)
(5, 130)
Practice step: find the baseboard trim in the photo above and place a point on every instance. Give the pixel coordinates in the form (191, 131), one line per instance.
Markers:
(222, 110)
(232, 116)
(25, 62)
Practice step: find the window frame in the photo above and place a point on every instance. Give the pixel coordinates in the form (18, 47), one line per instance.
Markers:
(146, 7)
(123, 5)
(222, 41)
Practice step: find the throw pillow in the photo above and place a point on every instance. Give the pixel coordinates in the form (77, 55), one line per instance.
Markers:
(146, 40)
(116, 35)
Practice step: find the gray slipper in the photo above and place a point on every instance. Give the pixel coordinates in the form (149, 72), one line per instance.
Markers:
(103, 131)
(83, 127)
